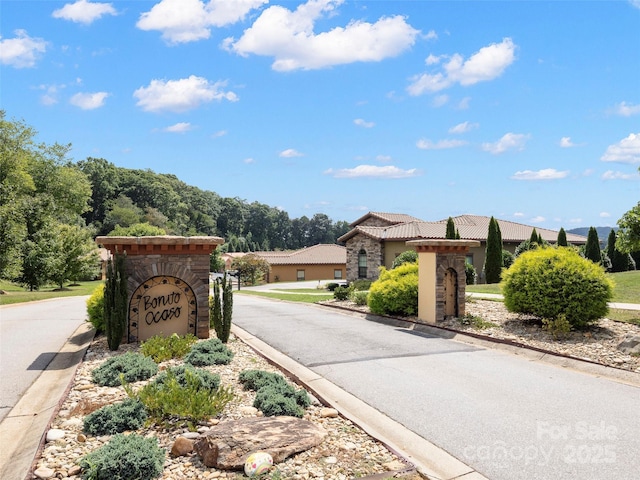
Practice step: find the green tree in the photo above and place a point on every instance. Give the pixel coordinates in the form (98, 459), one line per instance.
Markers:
(592, 247)
(137, 230)
(493, 253)
(408, 256)
(619, 261)
(451, 229)
(534, 238)
(115, 301)
(562, 238)
(250, 267)
(75, 254)
(628, 240)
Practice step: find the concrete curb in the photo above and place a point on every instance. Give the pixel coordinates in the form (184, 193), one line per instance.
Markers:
(23, 430)
(428, 459)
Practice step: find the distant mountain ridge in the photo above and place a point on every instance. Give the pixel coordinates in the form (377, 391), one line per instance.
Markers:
(603, 233)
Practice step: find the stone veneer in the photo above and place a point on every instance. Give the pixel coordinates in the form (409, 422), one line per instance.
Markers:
(183, 258)
(375, 256)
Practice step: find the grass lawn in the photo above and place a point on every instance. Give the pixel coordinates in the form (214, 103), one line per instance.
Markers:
(291, 297)
(17, 294)
(626, 289)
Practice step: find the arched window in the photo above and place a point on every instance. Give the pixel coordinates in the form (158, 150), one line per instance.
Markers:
(362, 264)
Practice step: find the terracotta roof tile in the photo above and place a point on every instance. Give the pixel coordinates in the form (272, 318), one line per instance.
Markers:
(315, 255)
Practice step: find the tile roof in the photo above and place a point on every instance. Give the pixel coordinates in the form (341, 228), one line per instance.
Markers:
(322, 254)
(392, 218)
(471, 227)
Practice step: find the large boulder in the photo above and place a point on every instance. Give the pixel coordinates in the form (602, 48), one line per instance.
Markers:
(630, 345)
(227, 445)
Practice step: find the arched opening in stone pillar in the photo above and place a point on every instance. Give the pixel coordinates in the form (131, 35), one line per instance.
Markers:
(451, 293)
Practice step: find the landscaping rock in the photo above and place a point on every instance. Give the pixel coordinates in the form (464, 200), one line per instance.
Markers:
(227, 445)
(630, 345)
(182, 446)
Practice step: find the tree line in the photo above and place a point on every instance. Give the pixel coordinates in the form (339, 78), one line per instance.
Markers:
(51, 209)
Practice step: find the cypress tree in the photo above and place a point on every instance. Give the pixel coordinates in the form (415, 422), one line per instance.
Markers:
(534, 236)
(619, 260)
(592, 248)
(562, 238)
(451, 230)
(493, 253)
(221, 306)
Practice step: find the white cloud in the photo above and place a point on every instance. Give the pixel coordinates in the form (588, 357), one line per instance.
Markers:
(83, 11)
(464, 127)
(182, 21)
(290, 153)
(509, 141)
(180, 95)
(538, 219)
(219, 133)
(179, 128)
(372, 171)
(362, 123)
(565, 142)
(544, 174)
(432, 59)
(440, 144)
(626, 150)
(249, 161)
(635, 3)
(627, 110)
(431, 35)
(464, 103)
(22, 51)
(518, 214)
(611, 175)
(289, 37)
(486, 64)
(89, 101)
(605, 215)
(384, 158)
(440, 100)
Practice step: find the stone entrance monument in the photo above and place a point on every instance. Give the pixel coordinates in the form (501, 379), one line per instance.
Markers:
(441, 277)
(167, 282)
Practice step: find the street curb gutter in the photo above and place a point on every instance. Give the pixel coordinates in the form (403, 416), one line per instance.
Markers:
(23, 430)
(427, 458)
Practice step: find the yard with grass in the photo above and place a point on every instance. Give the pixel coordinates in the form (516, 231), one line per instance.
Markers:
(16, 294)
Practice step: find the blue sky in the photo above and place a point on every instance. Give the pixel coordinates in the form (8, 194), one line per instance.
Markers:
(527, 111)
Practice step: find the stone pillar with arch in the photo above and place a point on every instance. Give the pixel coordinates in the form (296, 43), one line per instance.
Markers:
(168, 284)
(441, 278)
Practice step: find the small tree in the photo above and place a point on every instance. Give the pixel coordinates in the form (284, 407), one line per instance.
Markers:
(221, 308)
(534, 236)
(408, 256)
(592, 248)
(493, 253)
(250, 267)
(115, 300)
(451, 230)
(562, 238)
(628, 239)
(619, 261)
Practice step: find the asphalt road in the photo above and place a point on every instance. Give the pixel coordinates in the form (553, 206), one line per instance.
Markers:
(508, 417)
(31, 334)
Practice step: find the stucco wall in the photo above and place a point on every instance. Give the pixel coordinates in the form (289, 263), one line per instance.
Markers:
(289, 273)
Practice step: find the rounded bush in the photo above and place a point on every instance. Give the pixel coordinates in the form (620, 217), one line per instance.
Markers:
(117, 418)
(125, 457)
(396, 291)
(554, 282)
(95, 308)
(131, 366)
(207, 380)
(209, 352)
(409, 256)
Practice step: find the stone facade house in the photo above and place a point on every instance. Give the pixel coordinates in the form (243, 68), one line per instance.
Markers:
(376, 239)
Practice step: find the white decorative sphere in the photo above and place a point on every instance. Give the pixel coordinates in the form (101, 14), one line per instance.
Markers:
(258, 463)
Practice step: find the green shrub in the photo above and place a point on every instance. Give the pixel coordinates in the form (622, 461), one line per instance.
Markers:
(360, 285)
(470, 273)
(208, 380)
(165, 348)
(125, 457)
(409, 256)
(558, 328)
(192, 401)
(95, 308)
(396, 291)
(359, 297)
(221, 308)
(116, 300)
(209, 352)
(131, 366)
(341, 293)
(551, 282)
(117, 418)
(332, 286)
(274, 395)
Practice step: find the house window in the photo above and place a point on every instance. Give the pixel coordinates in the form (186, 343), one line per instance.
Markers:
(337, 274)
(300, 275)
(469, 258)
(362, 264)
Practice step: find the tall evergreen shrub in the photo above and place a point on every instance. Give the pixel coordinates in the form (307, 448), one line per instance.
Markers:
(562, 238)
(592, 248)
(115, 300)
(619, 260)
(493, 253)
(451, 230)
(221, 308)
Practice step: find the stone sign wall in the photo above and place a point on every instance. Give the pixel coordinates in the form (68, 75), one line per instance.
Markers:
(168, 283)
